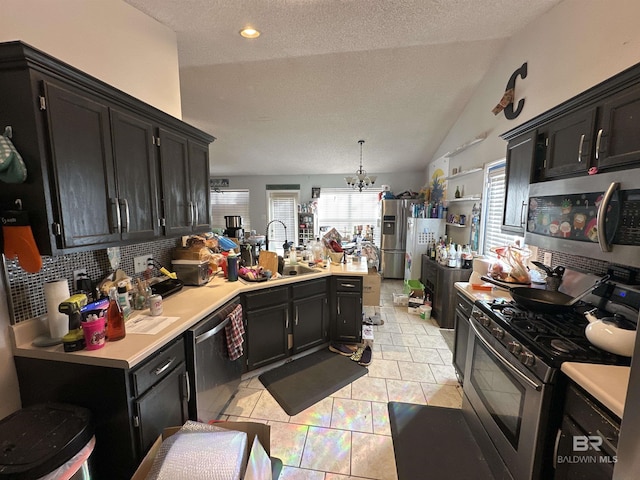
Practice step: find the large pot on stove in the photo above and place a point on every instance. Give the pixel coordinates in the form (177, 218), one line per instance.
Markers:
(544, 301)
(614, 334)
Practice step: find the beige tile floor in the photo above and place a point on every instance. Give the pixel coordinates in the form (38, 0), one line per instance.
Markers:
(347, 435)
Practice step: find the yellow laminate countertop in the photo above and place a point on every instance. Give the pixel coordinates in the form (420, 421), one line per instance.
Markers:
(190, 305)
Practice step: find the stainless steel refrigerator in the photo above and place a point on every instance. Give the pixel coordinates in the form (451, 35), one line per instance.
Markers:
(393, 237)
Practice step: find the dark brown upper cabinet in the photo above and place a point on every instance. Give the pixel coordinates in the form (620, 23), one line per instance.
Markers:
(184, 167)
(596, 128)
(520, 162)
(570, 144)
(617, 138)
(93, 156)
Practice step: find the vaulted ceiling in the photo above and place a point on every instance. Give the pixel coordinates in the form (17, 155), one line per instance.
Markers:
(327, 73)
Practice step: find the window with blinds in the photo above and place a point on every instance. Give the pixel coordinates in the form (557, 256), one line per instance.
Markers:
(493, 208)
(283, 206)
(230, 202)
(344, 209)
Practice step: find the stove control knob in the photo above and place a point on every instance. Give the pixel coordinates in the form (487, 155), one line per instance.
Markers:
(485, 321)
(515, 347)
(497, 332)
(527, 358)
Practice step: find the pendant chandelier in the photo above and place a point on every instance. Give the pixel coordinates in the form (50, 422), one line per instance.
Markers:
(361, 181)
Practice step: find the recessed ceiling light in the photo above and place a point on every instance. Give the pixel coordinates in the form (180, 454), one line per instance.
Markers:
(249, 32)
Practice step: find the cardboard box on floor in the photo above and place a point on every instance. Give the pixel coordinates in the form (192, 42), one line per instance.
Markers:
(250, 428)
(371, 288)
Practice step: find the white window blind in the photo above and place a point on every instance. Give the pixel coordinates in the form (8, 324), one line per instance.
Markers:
(343, 209)
(283, 206)
(493, 208)
(230, 202)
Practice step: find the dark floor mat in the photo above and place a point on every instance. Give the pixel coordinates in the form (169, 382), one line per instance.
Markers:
(435, 443)
(301, 383)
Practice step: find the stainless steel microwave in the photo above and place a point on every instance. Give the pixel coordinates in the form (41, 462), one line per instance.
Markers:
(597, 216)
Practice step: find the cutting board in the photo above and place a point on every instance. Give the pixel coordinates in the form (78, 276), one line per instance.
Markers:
(268, 260)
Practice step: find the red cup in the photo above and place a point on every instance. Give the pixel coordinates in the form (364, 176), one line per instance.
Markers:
(94, 333)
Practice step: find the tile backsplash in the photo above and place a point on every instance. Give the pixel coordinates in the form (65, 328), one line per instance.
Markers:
(25, 290)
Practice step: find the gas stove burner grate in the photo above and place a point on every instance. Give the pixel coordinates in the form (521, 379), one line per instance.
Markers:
(563, 346)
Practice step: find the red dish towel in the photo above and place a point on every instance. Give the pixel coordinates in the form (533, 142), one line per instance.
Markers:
(234, 331)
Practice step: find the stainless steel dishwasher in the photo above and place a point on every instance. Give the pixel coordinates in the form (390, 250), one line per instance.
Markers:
(214, 378)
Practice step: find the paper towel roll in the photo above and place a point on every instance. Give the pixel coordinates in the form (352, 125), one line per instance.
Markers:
(56, 292)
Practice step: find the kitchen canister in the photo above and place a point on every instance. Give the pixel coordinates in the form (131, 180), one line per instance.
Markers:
(94, 333)
(56, 292)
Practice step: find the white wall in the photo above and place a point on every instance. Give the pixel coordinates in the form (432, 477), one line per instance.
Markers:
(108, 39)
(398, 181)
(576, 45)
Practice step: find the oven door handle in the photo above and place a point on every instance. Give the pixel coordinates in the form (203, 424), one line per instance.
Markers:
(530, 382)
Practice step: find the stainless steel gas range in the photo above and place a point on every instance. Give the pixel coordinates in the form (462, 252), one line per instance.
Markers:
(513, 390)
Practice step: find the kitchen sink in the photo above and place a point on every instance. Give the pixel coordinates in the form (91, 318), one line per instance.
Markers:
(290, 270)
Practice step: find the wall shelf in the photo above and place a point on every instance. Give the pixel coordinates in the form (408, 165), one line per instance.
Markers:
(457, 225)
(463, 174)
(465, 199)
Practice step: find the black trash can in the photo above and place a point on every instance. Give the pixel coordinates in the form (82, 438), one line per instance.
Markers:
(38, 440)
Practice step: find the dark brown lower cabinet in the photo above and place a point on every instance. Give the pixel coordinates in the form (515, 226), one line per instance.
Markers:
(461, 335)
(439, 285)
(285, 321)
(587, 442)
(130, 407)
(347, 319)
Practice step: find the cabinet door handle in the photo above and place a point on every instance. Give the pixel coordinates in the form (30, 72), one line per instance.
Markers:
(296, 319)
(115, 213)
(348, 285)
(287, 319)
(195, 210)
(598, 140)
(187, 386)
(555, 449)
(163, 368)
(580, 148)
(523, 209)
(338, 305)
(125, 203)
(191, 214)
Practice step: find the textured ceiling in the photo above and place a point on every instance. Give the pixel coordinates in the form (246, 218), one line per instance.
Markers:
(327, 73)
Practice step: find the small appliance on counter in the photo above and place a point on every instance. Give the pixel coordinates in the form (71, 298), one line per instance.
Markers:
(166, 287)
(233, 226)
(191, 272)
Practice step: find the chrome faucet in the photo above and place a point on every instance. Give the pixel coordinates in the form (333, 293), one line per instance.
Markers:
(286, 245)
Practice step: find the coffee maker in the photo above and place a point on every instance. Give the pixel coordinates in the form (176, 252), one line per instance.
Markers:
(233, 226)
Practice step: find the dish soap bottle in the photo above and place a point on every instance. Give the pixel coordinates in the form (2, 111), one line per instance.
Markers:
(115, 318)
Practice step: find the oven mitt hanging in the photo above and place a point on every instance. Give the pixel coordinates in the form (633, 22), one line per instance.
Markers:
(12, 167)
(19, 241)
